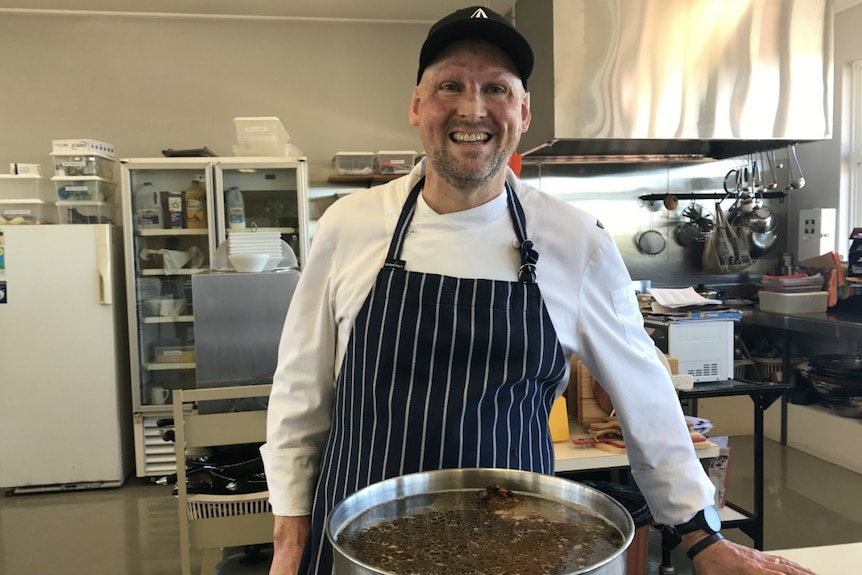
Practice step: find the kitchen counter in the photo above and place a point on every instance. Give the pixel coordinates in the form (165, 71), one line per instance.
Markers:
(841, 324)
(826, 559)
(569, 457)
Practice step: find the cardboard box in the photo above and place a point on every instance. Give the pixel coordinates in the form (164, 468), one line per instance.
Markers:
(175, 210)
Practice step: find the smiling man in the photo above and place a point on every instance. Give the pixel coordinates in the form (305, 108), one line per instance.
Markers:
(427, 333)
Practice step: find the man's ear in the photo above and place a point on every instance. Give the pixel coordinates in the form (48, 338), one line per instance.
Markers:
(413, 112)
(526, 114)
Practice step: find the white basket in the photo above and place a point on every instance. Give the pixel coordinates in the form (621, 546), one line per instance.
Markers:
(212, 506)
(740, 367)
(769, 366)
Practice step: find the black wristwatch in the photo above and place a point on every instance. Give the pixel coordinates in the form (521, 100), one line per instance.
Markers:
(706, 519)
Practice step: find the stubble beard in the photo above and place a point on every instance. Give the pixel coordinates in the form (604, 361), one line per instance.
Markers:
(467, 179)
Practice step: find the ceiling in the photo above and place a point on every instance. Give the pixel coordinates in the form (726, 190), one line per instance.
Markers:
(845, 4)
(395, 10)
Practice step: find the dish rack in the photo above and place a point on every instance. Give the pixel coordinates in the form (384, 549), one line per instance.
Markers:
(210, 522)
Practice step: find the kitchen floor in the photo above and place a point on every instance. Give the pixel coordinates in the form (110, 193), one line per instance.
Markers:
(134, 530)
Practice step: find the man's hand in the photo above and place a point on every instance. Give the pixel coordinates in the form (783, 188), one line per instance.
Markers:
(289, 537)
(728, 558)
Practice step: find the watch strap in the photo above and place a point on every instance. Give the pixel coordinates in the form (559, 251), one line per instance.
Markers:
(703, 544)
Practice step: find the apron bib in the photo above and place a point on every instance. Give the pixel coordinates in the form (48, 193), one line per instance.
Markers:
(463, 375)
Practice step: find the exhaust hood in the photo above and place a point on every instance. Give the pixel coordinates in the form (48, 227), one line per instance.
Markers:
(676, 80)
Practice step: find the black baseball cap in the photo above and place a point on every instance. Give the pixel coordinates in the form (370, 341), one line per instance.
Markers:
(477, 23)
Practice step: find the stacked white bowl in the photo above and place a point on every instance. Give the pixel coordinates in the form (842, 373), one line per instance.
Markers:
(254, 251)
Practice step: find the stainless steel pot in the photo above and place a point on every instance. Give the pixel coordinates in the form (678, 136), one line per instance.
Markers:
(847, 366)
(430, 482)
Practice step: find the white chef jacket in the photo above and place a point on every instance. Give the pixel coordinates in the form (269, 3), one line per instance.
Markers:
(586, 289)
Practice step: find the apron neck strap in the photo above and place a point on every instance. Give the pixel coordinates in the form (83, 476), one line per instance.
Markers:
(529, 256)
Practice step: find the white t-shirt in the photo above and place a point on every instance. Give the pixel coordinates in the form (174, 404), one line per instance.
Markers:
(584, 284)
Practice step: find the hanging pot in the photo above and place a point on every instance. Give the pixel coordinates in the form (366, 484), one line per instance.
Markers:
(761, 243)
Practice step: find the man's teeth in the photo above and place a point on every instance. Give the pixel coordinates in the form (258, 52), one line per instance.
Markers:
(462, 137)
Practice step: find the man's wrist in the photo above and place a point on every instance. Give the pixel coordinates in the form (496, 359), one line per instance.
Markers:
(697, 541)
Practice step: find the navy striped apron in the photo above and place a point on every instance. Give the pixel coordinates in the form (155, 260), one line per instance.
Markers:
(439, 372)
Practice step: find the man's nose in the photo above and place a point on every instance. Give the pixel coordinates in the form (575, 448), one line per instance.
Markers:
(472, 104)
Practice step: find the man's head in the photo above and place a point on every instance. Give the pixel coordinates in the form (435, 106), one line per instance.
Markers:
(477, 23)
(470, 104)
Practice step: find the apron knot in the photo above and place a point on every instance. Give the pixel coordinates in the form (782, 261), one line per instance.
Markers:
(529, 257)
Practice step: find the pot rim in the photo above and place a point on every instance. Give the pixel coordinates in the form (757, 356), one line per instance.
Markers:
(536, 484)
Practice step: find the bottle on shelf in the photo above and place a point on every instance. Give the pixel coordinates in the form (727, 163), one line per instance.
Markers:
(148, 207)
(235, 209)
(196, 206)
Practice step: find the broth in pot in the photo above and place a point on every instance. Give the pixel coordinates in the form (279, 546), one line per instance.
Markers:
(446, 522)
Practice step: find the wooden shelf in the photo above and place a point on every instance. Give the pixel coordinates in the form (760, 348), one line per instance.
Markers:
(363, 179)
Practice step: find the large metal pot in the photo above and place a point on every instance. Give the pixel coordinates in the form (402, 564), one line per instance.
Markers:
(525, 482)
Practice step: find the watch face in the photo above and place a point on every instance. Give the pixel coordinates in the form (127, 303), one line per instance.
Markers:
(712, 518)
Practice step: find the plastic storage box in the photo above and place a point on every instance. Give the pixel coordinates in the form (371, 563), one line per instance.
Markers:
(26, 212)
(260, 136)
(79, 146)
(84, 165)
(84, 189)
(395, 162)
(806, 302)
(25, 187)
(354, 163)
(85, 212)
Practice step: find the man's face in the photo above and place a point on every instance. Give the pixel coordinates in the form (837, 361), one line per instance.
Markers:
(471, 109)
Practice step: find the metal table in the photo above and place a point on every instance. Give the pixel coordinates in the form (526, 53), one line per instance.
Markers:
(763, 394)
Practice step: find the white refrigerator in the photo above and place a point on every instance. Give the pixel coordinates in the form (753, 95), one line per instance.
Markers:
(64, 379)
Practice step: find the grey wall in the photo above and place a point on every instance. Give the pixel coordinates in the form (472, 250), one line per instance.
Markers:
(827, 164)
(149, 83)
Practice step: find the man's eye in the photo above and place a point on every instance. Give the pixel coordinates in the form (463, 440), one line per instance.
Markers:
(497, 90)
(449, 87)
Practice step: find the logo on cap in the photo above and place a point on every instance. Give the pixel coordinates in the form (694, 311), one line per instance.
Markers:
(479, 13)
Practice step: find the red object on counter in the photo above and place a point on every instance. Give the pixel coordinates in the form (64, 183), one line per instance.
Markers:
(515, 163)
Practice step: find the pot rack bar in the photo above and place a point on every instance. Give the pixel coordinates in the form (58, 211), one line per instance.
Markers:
(713, 196)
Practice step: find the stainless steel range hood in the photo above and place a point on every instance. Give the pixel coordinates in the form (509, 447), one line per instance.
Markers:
(686, 80)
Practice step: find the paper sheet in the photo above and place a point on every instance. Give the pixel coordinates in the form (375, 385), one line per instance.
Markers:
(681, 298)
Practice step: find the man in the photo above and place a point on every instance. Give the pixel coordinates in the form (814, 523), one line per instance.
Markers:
(426, 332)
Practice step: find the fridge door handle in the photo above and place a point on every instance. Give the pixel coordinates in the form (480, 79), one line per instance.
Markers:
(104, 265)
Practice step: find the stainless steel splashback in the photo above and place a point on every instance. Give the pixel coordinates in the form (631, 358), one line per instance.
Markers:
(683, 79)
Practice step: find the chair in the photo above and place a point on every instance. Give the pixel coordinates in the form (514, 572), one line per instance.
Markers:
(210, 522)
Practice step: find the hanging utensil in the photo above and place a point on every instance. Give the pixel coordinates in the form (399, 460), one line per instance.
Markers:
(800, 181)
(651, 242)
(771, 157)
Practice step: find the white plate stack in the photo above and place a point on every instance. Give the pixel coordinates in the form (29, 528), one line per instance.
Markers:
(250, 243)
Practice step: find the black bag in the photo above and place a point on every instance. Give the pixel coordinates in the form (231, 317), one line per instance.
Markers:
(725, 251)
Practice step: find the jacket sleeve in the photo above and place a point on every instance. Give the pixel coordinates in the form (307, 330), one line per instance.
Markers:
(300, 404)
(621, 355)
